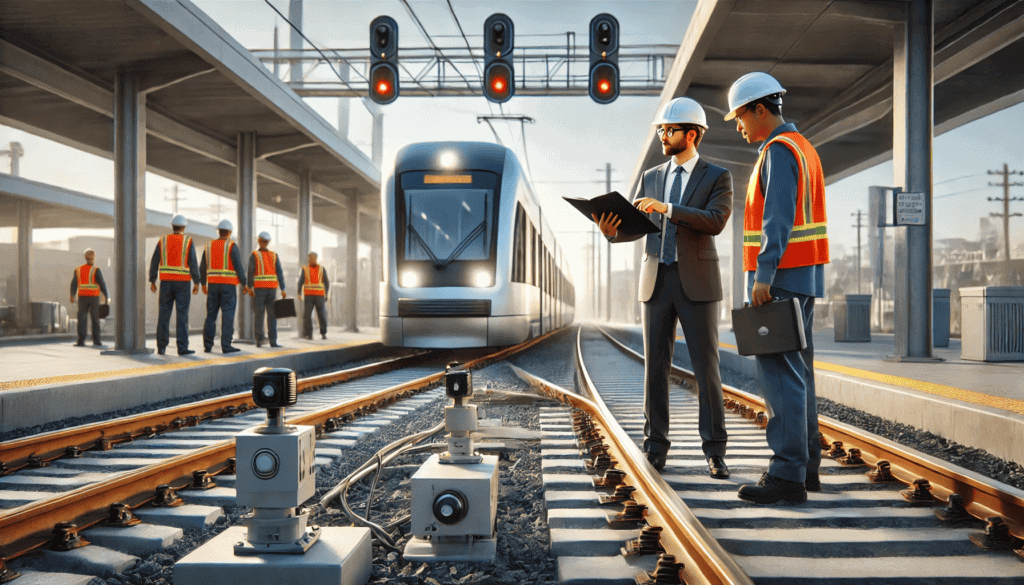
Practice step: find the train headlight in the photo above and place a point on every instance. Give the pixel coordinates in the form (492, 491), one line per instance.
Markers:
(482, 279)
(410, 279)
(448, 160)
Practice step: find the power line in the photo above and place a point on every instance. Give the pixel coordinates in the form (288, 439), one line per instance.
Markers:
(312, 44)
(426, 35)
(959, 193)
(960, 178)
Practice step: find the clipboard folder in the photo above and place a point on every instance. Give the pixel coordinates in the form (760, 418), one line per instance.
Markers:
(104, 311)
(634, 222)
(284, 308)
(775, 327)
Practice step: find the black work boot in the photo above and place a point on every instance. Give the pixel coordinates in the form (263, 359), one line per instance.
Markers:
(772, 489)
(813, 481)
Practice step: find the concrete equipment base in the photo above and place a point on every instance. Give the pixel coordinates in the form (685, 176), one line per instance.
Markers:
(342, 556)
(425, 551)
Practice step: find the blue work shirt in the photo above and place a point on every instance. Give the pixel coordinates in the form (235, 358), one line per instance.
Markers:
(779, 175)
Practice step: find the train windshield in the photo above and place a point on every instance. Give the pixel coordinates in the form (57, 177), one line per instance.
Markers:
(447, 218)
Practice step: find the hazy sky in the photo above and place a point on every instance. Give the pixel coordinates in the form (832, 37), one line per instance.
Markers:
(572, 137)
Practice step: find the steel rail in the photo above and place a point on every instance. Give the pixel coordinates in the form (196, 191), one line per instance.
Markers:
(983, 497)
(704, 560)
(15, 454)
(23, 528)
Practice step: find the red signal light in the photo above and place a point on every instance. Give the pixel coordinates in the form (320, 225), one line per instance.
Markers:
(383, 88)
(603, 86)
(498, 84)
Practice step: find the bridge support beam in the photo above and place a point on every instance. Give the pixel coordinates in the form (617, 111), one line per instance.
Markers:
(913, 129)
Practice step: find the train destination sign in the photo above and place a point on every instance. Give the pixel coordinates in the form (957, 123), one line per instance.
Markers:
(908, 208)
(438, 179)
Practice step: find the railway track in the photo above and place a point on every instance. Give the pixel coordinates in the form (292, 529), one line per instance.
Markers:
(855, 531)
(44, 506)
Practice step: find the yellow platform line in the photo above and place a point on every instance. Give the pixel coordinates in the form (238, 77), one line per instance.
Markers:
(961, 394)
(143, 370)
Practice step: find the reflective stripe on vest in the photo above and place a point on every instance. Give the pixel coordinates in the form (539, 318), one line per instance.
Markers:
(266, 269)
(174, 257)
(220, 269)
(313, 285)
(87, 286)
(808, 242)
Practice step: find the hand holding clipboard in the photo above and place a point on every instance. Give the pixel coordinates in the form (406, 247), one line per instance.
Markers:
(614, 210)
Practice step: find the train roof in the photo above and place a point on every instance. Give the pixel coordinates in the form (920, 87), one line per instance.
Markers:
(483, 156)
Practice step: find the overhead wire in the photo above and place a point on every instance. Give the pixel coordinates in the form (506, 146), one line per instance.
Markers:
(439, 54)
(312, 44)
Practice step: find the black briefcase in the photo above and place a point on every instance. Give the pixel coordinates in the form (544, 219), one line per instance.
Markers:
(284, 308)
(104, 311)
(775, 327)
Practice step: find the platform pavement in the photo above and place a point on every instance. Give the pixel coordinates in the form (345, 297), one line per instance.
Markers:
(977, 404)
(41, 382)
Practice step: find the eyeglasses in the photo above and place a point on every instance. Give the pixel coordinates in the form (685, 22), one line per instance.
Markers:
(669, 131)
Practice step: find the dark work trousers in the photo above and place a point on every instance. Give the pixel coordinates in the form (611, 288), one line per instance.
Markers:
(263, 303)
(88, 307)
(669, 304)
(174, 294)
(314, 301)
(787, 382)
(220, 297)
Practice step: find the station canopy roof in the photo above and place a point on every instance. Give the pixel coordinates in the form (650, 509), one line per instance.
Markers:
(58, 61)
(835, 59)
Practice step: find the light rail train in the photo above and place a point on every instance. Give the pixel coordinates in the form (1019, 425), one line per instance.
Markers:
(470, 260)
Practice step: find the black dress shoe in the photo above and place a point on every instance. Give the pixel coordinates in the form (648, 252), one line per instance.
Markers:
(161, 350)
(186, 352)
(657, 460)
(772, 489)
(813, 482)
(323, 336)
(231, 349)
(718, 468)
(207, 350)
(259, 343)
(80, 344)
(275, 345)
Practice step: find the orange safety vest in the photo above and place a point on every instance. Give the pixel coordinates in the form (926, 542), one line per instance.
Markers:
(87, 286)
(808, 242)
(313, 285)
(266, 269)
(219, 267)
(174, 257)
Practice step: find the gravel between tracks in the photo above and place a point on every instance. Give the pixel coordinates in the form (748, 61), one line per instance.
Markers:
(523, 552)
(976, 460)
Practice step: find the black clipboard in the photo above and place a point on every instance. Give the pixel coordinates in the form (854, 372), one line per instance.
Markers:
(775, 327)
(634, 222)
(284, 308)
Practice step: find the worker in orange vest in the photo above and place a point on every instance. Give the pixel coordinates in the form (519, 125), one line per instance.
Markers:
(220, 272)
(87, 283)
(174, 262)
(266, 277)
(314, 286)
(785, 248)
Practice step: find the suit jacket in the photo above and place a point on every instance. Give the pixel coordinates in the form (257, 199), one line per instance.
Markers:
(704, 209)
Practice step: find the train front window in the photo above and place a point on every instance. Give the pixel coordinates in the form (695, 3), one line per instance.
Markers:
(447, 225)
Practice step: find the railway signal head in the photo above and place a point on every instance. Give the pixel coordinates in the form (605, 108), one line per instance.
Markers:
(604, 59)
(274, 388)
(499, 73)
(383, 60)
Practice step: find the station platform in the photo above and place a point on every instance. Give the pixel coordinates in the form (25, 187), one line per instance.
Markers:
(977, 404)
(45, 381)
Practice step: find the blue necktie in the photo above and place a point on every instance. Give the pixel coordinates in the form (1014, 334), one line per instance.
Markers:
(668, 246)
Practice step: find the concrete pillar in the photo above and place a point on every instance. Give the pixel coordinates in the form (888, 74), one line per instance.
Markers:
(305, 215)
(376, 275)
(352, 263)
(876, 253)
(378, 137)
(246, 188)
(130, 289)
(913, 128)
(739, 281)
(344, 104)
(24, 261)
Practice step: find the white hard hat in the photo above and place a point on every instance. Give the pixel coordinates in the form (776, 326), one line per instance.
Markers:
(264, 236)
(179, 221)
(225, 225)
(753, 86)
(682, 110)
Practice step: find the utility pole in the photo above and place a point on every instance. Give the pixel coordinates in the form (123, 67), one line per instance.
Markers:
(608, 256)
(1006, 215)
(859, 225)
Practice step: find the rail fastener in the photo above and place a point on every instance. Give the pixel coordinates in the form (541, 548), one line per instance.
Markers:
(853, 459)
(921, 494)
(66, 537)
(622, 493)
(120, 515)
(955, 512)
(837, 450)
(882, 473)
(632, 513)
(612, 477)
(996, 536)
(668, 572)
(648, 543)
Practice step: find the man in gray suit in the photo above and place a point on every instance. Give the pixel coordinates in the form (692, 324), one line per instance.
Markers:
(679, 279)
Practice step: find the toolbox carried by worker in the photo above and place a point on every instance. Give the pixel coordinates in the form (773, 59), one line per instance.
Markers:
(284, 308)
